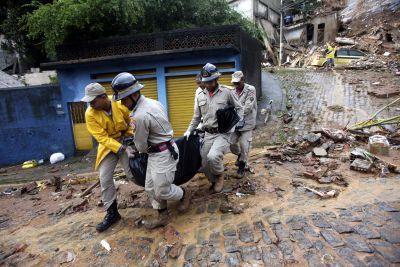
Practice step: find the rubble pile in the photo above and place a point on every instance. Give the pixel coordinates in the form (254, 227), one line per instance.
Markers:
(372, 27)
(375, 28)
(326, 153)
(376, 63)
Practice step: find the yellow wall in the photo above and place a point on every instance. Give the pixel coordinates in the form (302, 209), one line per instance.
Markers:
(83, 139)
(181, 90)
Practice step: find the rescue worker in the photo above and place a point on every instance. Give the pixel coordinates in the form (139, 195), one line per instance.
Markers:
(330, 55)
(153, 135)
(108, 122)
(215, 144)
(200, 88)
(241, 138)
(200, 84)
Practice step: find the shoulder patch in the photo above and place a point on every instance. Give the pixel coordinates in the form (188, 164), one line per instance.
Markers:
(133, 124)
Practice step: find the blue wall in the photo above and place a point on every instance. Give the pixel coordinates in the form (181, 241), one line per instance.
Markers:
(30, 127)
(73, 79)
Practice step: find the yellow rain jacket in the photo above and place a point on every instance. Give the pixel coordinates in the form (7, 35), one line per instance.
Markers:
(331, 52)
(106, 130)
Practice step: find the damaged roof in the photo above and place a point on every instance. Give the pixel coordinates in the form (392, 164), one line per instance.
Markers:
(7, 81)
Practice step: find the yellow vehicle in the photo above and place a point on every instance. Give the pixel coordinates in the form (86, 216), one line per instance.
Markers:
(343, 56)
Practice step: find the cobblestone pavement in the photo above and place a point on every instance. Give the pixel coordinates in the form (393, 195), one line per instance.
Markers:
(280, 226)
(261, 220)
(322, 99)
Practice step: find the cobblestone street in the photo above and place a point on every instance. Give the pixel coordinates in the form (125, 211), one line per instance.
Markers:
(318, 99)
(264, 219)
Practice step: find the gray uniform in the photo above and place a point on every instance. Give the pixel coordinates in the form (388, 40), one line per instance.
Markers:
(198, 91)
(151, 126)
(215, 145)
(106, 171)
(241, 139)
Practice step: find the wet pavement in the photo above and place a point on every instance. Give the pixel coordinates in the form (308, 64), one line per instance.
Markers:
(317, 99)
(261, 220)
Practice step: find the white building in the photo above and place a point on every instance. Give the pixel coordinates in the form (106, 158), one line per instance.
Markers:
(265, 13)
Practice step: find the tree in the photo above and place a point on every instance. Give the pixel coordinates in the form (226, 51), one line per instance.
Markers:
(72, 20)
(66, 21)
(13, 27)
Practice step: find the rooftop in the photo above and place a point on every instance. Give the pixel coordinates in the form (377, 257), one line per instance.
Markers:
(162, 43)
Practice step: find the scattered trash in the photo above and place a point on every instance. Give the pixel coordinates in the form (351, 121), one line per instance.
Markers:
(174, 241)
(29, 164)
(384, 170)
(386, 54)
(320, 152)
(378, 144)
(105, 245)
(56, 157)
(287, 117)
(337, 135)
(323, 194)
(57, 182)
(312, 138)
(361, 165)
(62, 257)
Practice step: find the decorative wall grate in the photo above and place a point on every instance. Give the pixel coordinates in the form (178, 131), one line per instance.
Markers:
(216, 37)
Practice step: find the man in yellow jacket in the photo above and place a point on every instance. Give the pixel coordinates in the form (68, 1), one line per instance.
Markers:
(330, 55)
(108, 122)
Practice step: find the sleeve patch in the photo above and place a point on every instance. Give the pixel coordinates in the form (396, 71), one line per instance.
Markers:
(133, 124)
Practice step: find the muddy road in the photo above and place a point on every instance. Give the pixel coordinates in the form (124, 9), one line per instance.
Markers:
(267, 218)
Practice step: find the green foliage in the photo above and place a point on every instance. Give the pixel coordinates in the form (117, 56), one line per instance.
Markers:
(13, 27)
(66, 21)
(72, 20)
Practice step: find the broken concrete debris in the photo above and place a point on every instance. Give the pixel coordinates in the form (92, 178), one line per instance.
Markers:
(361, 165)
(320, 152)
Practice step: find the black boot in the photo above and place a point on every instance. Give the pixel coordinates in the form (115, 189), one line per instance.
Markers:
(241, 169)
(237, 161)
(111, 217)
(161, 221)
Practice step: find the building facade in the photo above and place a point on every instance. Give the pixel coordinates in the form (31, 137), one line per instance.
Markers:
(37, 121)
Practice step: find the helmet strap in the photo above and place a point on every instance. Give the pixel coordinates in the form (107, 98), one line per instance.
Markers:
(133, 100)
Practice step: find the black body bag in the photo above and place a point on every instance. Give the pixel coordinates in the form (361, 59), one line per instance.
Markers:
(227, 118)
(188, 165)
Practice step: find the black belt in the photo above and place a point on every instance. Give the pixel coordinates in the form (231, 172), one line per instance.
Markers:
(211, 130)
(164, 146)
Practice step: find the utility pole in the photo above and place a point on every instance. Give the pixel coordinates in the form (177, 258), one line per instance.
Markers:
(281, 37)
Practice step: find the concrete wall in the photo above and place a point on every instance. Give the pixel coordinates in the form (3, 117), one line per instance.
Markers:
(273, 4)
(331, 27)
(38, 78)
(30, 127)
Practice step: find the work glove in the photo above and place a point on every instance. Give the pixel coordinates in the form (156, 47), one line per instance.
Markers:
(131, 151)
(186, 135)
